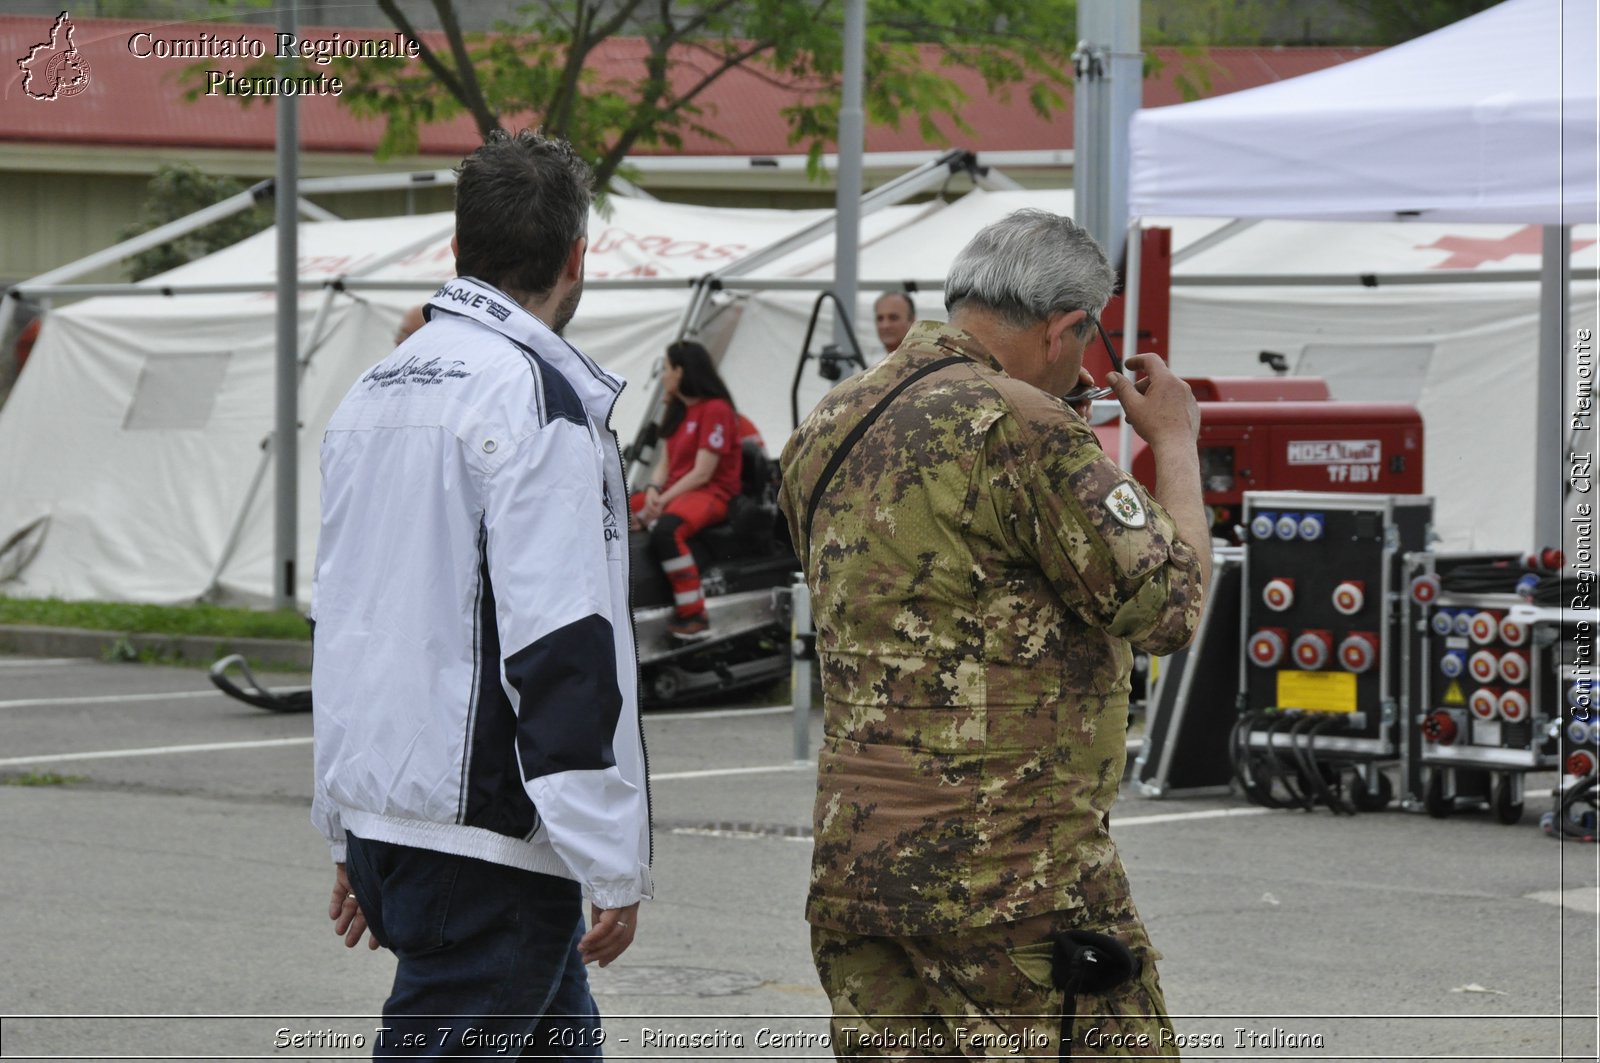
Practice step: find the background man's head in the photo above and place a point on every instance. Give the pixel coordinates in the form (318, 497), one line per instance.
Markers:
(410, 321)
(522, 206)
(893, 313)
(1038, 276)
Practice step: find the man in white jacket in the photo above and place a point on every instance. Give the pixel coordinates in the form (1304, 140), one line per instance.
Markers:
(480, 765)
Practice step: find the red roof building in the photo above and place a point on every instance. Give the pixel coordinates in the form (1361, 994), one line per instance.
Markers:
(73, 167)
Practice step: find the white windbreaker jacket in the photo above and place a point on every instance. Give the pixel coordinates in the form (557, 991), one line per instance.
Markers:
(474, 678)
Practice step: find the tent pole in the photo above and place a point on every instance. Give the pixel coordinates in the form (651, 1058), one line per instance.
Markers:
(1210, 240)
(155, 237)
(645, 456)
(313, 342)
(286, 433)
(231, 544)
(847, 197)
(1549, 411)
(1130, 330)
(318, 323)
(314, 212)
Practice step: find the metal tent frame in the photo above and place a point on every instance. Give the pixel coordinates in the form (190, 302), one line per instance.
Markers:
(59, 283)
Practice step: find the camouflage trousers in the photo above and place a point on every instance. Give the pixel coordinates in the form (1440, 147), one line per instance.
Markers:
(984, 993)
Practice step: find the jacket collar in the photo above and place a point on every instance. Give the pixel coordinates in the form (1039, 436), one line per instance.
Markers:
(492, 308)
(929, 340)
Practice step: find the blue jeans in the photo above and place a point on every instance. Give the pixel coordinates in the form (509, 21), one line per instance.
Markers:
(488, 956)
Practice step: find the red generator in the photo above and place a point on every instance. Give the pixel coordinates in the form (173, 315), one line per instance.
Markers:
(1287, 434)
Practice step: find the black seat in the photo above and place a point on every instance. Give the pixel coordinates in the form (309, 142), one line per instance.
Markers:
(755, 474)
(747, 531)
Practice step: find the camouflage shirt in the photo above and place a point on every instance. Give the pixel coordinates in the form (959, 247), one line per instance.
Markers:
(978, 570)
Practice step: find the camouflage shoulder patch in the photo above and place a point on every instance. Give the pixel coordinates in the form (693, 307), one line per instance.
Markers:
(1123, 503)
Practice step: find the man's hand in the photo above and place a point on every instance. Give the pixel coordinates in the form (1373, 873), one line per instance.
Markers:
(345, 911)
(610, 933)
(1160, 407)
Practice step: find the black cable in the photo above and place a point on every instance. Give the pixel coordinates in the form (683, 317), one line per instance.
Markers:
(1239, 748)
(1501, 574)
(1253, 788)
(1237, 754)
(1279, 771)
(1236, 761)
(1302, 758)
(1300, 741)
(1334, 722)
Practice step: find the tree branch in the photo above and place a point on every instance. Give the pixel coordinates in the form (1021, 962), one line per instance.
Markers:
(711, 11)
(471, 94)
(790, 86)
(429, 57)
(646, 113)
(558, 115)
(610, 27)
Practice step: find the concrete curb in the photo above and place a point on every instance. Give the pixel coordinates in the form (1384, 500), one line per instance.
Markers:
(102, 645)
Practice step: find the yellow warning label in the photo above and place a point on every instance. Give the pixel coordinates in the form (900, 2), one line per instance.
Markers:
(1317, 691)
(1453, 695)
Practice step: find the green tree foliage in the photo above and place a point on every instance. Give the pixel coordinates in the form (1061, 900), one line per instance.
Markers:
(176, 192)
(545, 69)
(1394, 21)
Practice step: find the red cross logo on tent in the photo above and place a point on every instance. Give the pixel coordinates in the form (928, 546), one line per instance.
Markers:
(1469, 252)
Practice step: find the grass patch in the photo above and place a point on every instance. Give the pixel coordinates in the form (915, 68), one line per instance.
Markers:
(209, 620)
(40, 778)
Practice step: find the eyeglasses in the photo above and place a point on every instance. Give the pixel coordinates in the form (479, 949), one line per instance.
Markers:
(1090, 392)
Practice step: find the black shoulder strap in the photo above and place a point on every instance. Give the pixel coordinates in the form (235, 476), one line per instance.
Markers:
(860, 430)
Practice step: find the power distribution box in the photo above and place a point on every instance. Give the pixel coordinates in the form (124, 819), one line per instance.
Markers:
(1500, 689)
(1321, 664)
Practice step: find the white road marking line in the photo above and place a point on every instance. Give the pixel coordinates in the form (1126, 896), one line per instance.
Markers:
(745, 835)
(1118, 822)
(153, 751)
(741, 835)
(668, 716)
(37, 662)
(1578, 898)
(716, 772)
(110, 699)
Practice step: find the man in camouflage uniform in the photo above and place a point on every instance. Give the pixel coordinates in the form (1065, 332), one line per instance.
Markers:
(979, 570)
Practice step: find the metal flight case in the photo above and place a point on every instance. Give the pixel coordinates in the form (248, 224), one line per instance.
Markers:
(1185, 747)
(1488, 703)
(1324, 657)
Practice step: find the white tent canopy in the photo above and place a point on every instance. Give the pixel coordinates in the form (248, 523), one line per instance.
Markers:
(135, 460)
(1492, 118)
(134, 464)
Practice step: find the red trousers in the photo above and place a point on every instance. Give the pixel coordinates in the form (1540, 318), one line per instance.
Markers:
(684, 516)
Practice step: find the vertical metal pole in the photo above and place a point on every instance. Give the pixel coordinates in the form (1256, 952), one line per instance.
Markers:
(1130, 331)
(286, 431)
(1108, 88)
(1126, 93)
(800, 674)
(1088, 113)
(1550, 427)
(852, 142)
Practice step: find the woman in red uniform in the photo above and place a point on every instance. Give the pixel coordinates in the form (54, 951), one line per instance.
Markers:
(691, 489)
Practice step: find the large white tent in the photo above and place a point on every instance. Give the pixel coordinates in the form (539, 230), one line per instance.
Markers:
(1491, 119)
(136, 462)
(135, 466)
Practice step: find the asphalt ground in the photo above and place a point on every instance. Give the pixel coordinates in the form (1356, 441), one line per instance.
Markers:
(165, 897)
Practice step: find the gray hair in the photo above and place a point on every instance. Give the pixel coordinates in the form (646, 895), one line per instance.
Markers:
(1029, 265)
